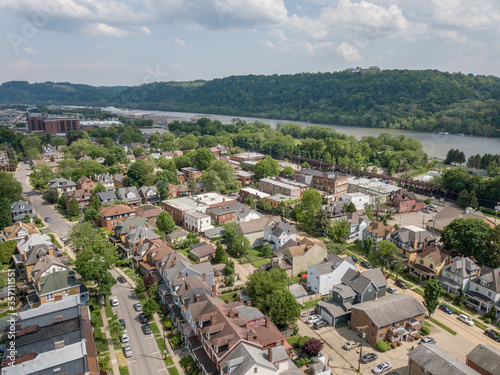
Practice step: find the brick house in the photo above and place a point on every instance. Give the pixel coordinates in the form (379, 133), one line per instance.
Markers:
(111, 216)
(148, 212)
(394, 317)
(81, 196)
(85, 183)
(335, 184)
(405, 201)
(232, 211)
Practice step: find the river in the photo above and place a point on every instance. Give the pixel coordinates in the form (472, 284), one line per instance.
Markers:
(435, 145)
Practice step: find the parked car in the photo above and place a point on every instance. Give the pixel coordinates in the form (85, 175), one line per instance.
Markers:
(312, 319)
(369, 357)
(365, 264)
(137, 306)
(401, 284)
(432, 205)
(354, 259)
(64, 239)
(143, 318)
(350, 345)
(47, 219)
(495, 336)
(464, 318)
(382, 367)
(446, 309)
(319, 324)
(392, 290)
(427, 340)
(121, 279)
(146, 328)
(114, 301)
(122, 322)
(127, 350)
(426, 212)
(124, 337)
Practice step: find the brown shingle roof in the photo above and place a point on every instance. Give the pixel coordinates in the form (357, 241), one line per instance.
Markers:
(119, 209)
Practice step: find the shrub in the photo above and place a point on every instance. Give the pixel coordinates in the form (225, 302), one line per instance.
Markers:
(425, 331)
(381, 346)
(487, 320)
(394, 345)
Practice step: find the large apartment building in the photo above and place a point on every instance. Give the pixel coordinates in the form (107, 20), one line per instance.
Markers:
(53, 125)
(335, 184)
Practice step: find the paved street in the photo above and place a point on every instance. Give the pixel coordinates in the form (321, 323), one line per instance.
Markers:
(57, 224)
(147, 357)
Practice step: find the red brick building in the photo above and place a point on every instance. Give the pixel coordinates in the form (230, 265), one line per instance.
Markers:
(333, 183)
(81, 196)
(111, 216)
(85, 183)
(52, 124)
(406, 201)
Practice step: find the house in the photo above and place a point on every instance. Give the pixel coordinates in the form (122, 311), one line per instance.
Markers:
(136, 237)
(191, 173)
(450, 213)
(405, 201)
(275, 200)
(394, 317)
(176, 235)
(430, 261)
(430, 359)
(298, 258)
(353, 288)
(61, 185)
(410, 240)
(253, 230)
(55, 338)
(124, 227)
(106, 197)
(297, 290)
(256, 194)
(458, 273)
(19, 230)
(106, 180)
(335, 184)
(81, 196)
(119, 180)
(202, 252)
(197, 222)
(111, 216)
(277, 233)
(149, 194)
(148, 212)
(129, 195)
(357, 224)
(247, 156)
(246, 178)
(359, 200)
(336, 210)
(378, 231)
(483, 292)
(278, 185)
(151, 259)
(233, 211)
(26, 259)
(85, 183)
(176, 265)
(20, 209)
(323, 276)
(485, 359)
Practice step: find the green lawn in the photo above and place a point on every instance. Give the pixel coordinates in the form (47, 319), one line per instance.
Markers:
(419, 291)
(169, 361)
(154, 328)
(108, 310)
(253, 255)
(294, 280)
(229, 296)
(124, 370)
(159, 341)
(173, 371)
(356, 247)
(446, 328)
(117, 345)
(309, 304)
(54, 241)
(479, 324)
(260, 262)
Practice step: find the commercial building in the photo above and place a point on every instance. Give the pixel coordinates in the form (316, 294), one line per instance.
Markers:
(335, 184)
(52, 125)
(277, 185)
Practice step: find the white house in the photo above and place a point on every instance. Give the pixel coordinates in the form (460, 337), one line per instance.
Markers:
(360, 200)
(323, 276)
(357, 224)
(197, 221)
(278, 233)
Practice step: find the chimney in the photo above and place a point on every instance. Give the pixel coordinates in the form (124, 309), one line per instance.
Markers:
(188, 286)
(213, 318)
(231, 314)
(267, 322)
(204, 277)
(214, 290)
(180, 275)
(230, 341)
(131, 227)
(415, 243)
(249, 303)
(197, 298)
(270, 354)
(479, 272)
(243, 210)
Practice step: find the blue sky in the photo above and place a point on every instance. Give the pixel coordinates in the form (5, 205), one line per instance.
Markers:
(130, 42)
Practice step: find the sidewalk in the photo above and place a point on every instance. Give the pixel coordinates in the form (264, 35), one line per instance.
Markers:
(171, 353)
(112, 355)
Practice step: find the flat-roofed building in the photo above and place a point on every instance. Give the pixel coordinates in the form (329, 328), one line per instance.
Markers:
(277, 185)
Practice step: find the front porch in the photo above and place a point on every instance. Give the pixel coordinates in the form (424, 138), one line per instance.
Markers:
(478, 301)
(422, 272)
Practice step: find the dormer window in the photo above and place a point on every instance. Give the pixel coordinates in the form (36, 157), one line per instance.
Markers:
(483, 282)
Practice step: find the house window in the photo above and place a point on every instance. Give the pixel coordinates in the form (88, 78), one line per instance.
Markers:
(371, 334)
(421, 261)
(431, 266)
(489, 294)
(476, 288)
(355, 321)
(255, 370)
(355, 312)
(50, 297)
(380, 336)
(370, 288)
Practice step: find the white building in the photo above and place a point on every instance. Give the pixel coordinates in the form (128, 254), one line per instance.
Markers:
(323, 276)
(197, 221)
(360, 200)
(278, 233)
(370, 187)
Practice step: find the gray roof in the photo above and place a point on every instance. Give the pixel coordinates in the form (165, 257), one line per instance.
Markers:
(282, 227)
(20, 206)
(243, 358)
(391, 308)
(487, 357)
(202, 249)
(360, 281)
(334, 309)
(438, 361)
(291, 242)
(141, 232)
(491, 277)
(411, 232)
(124, 226)
(122, 193)
(60, 182)
(330, 266)
(106, 196)
(345, 291)
(297, 290)
(256, 225)
(214, 232)
(279, 354)
(57, 281)
(249, 313)
(464, 267)
(176, 234)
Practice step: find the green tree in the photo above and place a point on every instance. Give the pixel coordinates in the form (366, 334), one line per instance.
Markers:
(202, 158)
(494, 253)
(220, 254)
(267, 251)
(98, 188)
(250, 201)
(27, 219)
(262, 284)
(150, 308)
(367, 245)
(229, 280)
(94, 202)
(463, 199)
(229, 269)
(153, 291)
(7, 250)
(385, 252)
(473, 200)
(230, 234)
(351, 207)
(267, 167)
(140, 288)
(283, 309)
(305, 211)
(335, 248)
(322, 223)
(339, 230)
(264, 205)
(287, 171)
(115, 328)
(165, 223)
(140, 173)
(241, 246)
(90, 214)
(52, 196)
(432, 294)
(73, 208)
(188, 142)
(305, 165)
(167, 165)
(139, 151)
(10, 188)
(469, 237)
(41, 175)
(83, 235)
(5, 214)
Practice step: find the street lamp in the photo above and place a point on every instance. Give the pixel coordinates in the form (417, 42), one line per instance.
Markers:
(362, 329)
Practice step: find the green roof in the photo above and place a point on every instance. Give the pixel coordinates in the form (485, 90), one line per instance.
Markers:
(57, 281)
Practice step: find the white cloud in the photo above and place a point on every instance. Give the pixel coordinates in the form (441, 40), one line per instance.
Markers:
(180, 43)
(451, 36)
(31, 51)
(20, 64)
(348, 52)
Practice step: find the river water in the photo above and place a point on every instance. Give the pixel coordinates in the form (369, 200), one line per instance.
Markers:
(435, 145)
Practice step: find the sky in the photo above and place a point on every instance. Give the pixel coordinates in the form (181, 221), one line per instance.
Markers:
(132, 42)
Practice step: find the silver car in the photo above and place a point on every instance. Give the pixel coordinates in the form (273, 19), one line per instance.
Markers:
(382, 367)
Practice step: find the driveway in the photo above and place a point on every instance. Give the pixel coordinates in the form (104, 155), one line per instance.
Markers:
(43, 209)
(146, 358)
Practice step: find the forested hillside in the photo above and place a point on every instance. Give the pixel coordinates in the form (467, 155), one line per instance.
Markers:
(421, 100)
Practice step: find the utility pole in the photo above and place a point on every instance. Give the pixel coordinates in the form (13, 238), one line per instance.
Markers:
(362, 329)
